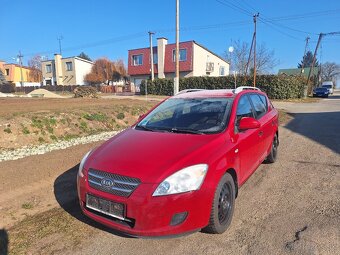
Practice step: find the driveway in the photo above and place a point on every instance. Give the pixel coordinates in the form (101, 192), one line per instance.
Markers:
(290, 207)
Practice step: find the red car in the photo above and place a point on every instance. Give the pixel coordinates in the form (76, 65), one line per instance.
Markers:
(179, 168)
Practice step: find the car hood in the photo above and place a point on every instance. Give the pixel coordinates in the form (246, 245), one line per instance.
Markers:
(150, 156)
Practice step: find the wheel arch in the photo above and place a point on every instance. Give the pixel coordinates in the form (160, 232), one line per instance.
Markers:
(233, 174)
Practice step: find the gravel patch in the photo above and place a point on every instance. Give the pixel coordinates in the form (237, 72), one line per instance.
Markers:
(26, 151)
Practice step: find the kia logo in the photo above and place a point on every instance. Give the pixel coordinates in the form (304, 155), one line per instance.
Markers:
(107, 183)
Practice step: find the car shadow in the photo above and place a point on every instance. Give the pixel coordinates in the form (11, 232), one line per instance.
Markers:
(3, 242)
(333, 97)
(65, 192)
(321, 127)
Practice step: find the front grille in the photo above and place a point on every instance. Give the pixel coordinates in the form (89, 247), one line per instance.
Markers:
(121, 185)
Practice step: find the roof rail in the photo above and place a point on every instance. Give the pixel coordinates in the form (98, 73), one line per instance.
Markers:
(239, 89)
(188, 91)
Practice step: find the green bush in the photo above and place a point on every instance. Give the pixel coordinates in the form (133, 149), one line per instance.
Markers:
(276, 86)
(95, 116)
(120, 116)
(7, 88)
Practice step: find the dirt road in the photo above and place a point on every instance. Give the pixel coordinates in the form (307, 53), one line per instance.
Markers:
(290, 207)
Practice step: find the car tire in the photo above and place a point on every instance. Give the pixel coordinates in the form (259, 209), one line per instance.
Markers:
(271, 158)
(223, 206)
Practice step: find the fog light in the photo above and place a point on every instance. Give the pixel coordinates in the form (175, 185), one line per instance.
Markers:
(178, 218)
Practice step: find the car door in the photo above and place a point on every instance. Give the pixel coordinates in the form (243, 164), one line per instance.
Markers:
(247, 140)
(265, 133)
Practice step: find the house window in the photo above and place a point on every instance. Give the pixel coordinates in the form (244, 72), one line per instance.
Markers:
(182, 55)
(49, 68)
(137, 60)
(69, 66)
(155, 58)
(7, 72)
(222, 71)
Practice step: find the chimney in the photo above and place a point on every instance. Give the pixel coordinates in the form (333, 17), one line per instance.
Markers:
(161, 43)
(58, 69)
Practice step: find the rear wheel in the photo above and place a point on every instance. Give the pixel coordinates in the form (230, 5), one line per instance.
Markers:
(271, 158)
(223, 206)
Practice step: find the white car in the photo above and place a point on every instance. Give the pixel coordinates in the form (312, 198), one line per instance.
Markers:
(328, 85)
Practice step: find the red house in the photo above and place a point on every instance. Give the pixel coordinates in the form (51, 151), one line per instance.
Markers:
(194, 60)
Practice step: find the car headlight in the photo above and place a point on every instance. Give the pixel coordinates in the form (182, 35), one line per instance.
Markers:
(82, 163)
(187, 179)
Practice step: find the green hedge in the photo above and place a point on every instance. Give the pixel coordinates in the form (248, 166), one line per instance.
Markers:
(276, 86)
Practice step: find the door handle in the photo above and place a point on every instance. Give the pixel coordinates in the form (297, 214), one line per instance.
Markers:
(260, 133)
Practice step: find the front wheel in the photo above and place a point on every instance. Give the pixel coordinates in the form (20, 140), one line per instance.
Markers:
(223, 206)
(271, 158)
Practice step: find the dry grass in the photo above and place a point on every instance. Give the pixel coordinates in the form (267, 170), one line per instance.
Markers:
(37, 234)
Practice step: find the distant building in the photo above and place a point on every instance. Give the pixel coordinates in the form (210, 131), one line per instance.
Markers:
(194, 60)
(65, 71)
(12, 72)
(299, 71)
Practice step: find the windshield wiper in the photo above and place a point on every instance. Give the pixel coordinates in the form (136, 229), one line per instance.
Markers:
(145, 128)
(186, 131)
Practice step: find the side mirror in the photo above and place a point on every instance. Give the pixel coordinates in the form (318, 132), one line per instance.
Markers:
(249, 123)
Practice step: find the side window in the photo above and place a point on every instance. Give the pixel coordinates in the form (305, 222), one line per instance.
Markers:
(260, 105)
(244, 109)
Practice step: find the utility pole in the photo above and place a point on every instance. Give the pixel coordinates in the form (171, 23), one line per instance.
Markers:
(151, 56)
(251, 49)
(255, 17)
(20, 56)
(304, 54)
(314, 59)
(59, 39)
(176, 83)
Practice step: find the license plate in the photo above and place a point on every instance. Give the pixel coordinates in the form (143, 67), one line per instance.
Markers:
(104, 206)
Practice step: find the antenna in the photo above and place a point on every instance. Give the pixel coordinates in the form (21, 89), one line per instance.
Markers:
(59, 38)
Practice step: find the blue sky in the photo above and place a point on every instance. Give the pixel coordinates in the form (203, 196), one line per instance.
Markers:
(111, 28)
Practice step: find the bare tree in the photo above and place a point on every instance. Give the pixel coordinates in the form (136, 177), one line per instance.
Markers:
(34, 63)
(329, 70)
(265, 58)
(2, 78)
(105, 70)
(239, 57)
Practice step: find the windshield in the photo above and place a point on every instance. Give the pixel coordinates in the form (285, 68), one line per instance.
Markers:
(321, 89)
(327, 86)
(188, 115)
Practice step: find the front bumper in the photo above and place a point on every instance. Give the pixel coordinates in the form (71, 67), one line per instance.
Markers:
(151, 216)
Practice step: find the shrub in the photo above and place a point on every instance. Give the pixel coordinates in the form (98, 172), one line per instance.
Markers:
(25, 130)
(95, 116)
(7, 88)
(7, 130)
(276, 86)
(120, 116)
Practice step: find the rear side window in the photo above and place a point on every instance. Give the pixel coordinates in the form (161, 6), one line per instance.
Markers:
(260, 104)
(244, 109)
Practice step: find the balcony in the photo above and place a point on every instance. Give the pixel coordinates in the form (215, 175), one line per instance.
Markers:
(209, 67)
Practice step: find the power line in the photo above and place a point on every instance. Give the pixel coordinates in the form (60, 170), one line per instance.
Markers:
(263, 18)
(235, 7)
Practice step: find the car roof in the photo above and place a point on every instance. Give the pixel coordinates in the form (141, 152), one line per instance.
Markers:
(229, 93)
(206, 93)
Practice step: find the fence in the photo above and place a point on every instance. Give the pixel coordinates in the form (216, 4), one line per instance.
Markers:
(128, 88)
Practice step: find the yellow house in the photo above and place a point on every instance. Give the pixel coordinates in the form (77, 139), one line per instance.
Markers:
(12, 72)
